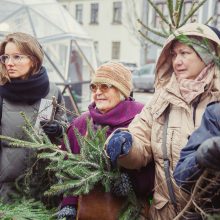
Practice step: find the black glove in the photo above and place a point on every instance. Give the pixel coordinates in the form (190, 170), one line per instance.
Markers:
(53, 129)
(120, 143)
(67, 212)
(208, 154)
(122, 186)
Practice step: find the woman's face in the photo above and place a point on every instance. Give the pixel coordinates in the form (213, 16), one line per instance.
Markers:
(17, 64)
(105, 99)
(186, 63)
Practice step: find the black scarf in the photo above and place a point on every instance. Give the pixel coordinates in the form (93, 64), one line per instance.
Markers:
(27, 91)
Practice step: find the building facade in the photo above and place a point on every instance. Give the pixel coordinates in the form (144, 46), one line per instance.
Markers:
(114, 28)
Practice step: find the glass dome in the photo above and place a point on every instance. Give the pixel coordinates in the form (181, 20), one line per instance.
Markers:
(69, 53)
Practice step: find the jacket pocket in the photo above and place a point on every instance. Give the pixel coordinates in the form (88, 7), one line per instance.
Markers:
(159, 201)
(162, 208)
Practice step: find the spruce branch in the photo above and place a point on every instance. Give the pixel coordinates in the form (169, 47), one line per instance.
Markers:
(178, 11)
(29, 129)
(209, 20)
(154, 31)
(24, 209)
(192, 12)
(66, 142)
(170, 9)
(164, 30)
(160, 13)
(90, 130)
(78, 174)
(150, 40)
(90, 168)
(169, 24)
(178, 4)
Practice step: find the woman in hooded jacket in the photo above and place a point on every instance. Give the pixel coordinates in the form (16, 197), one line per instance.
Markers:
(24, 83)
(187, 79)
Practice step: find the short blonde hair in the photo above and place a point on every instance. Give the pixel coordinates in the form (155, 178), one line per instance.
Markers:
(27, 45)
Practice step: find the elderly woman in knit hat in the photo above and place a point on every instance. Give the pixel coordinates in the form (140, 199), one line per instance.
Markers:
(112, 106)
(187, 79)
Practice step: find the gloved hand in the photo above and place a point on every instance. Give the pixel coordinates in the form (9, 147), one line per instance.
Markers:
(119, 144)
(208, 154)
(122, 186)
(53, 129)
(68, 212)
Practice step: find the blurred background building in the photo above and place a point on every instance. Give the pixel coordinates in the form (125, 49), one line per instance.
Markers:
(114, 28)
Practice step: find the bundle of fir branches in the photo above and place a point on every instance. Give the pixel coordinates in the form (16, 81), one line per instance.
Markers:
(24, 209)
(78, 174)
(30, 187)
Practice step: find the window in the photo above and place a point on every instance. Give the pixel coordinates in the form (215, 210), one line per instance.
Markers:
(65, 6)
(94, 13)
(116, 50)
(117, 11)
(79, 13)
(162, 6)
(187, 8)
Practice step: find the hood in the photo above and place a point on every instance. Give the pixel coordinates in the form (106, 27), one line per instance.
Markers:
(164, 68)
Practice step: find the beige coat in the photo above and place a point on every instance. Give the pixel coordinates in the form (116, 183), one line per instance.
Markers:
(147, 127)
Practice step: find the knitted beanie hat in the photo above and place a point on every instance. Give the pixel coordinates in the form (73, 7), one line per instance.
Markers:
(115, 74)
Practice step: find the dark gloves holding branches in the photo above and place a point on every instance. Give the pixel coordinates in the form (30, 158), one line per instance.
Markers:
(52, 129)
(119, 144)
(208, 154)
(67, 212)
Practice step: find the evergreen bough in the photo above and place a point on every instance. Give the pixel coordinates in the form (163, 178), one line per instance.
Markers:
(78, 173)
(174, 19)
(24, 209)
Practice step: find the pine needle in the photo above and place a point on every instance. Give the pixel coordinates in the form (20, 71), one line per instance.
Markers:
(23, 209)
(78, 174)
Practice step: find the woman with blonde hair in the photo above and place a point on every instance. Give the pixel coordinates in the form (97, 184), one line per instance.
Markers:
(24, 83)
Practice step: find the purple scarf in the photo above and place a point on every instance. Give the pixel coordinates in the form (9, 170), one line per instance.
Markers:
(120, 116)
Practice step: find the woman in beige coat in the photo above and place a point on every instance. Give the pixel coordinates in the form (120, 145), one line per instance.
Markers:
(187, 79)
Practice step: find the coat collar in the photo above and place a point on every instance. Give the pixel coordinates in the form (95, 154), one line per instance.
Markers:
(170, 94)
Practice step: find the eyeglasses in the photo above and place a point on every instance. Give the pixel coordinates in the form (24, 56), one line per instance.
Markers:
(103, 87)
(15, 58)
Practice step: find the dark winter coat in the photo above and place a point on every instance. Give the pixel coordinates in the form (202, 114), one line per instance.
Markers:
(187, 168)
(118, 117)
(21, 96)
